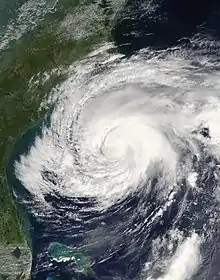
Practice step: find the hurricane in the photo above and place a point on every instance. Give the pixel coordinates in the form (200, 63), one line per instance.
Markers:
(124, 169)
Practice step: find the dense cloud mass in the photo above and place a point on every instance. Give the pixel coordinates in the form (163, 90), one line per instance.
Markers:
(125, 168)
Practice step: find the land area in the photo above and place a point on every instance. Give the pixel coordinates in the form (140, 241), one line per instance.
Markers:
(30, 69)
(14, 262)
(29, 72)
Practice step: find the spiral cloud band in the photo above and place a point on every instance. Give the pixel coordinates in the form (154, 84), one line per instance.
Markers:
(120, 122)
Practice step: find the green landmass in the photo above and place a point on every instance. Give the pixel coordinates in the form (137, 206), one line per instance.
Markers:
(14, 266)
(45, 48)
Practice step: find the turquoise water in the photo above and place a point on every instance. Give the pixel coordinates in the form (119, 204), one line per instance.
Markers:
(51, 277)
(60, 251)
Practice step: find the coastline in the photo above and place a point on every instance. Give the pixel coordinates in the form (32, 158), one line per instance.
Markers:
(30, 70)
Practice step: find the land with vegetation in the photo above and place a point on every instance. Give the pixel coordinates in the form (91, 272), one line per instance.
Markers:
(29, 70)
